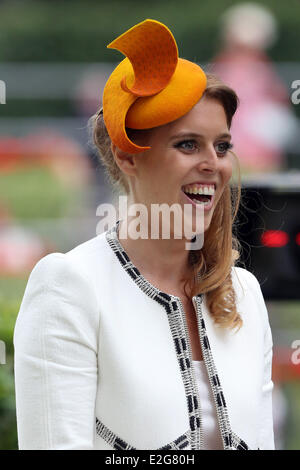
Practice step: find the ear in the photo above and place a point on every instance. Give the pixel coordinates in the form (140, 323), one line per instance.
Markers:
(125, 161)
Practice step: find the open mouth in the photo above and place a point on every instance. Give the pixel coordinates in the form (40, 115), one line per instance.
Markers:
(204, 200)
(195, 195)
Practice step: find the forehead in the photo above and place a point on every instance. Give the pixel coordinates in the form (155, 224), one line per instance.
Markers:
(207, 114)
(207, 117)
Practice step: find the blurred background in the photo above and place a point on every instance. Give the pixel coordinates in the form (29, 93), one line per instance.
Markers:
(53, 66)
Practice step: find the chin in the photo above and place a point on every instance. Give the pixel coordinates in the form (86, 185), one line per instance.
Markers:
(204, 225)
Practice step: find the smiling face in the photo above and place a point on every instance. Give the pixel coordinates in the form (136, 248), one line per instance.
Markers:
(185, 156)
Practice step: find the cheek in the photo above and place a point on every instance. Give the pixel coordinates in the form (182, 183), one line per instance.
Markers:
(226, 172)
(227, 169)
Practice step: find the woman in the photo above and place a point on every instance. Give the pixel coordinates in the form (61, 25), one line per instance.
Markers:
(141, 343)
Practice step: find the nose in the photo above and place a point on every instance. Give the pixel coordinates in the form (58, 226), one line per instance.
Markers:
(208, 160)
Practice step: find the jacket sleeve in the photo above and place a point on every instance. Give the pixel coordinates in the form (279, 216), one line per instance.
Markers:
(266, 430)
(55, 342)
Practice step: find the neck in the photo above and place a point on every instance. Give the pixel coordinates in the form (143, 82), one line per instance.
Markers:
(164, 262)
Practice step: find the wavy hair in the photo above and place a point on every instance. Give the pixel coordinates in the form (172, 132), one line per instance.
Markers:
(212, 264)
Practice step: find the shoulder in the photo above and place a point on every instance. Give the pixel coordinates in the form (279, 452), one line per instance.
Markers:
(56, 278)
(60, 290)
(55, 269)
(59, 303)
(90, 253)
(73, 273)
(79, 263)
(249, 293)
(244, 279)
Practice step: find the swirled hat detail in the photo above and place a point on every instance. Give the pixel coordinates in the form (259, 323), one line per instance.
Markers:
(152, 86)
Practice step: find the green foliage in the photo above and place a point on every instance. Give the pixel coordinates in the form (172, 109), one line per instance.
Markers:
(9, 311)
(292, 431)
(8, 424)
(77, 31)
(37, 107)
(36, 30)
(9, 306)
(34, 192)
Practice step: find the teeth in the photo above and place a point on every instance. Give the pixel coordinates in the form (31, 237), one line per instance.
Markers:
(209, 190)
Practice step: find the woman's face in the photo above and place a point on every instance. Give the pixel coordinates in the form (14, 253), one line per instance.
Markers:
(186, 156)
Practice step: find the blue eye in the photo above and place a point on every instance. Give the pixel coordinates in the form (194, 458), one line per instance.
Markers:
(188, 145)
(192, 145)
(223, 147)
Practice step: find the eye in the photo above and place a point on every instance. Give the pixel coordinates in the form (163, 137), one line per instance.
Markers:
(187, 145)
(223, 147)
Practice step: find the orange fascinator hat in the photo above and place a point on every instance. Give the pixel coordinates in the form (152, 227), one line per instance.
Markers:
(151, 86)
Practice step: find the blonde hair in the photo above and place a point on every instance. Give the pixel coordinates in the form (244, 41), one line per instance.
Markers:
(212, 264)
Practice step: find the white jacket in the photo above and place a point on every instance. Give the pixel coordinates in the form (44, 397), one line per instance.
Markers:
(103, 359)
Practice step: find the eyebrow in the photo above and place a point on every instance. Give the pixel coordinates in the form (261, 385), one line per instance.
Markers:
(194, 135)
